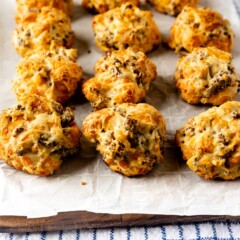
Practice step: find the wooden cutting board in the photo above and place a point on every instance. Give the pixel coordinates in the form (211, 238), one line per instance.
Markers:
(83, 219)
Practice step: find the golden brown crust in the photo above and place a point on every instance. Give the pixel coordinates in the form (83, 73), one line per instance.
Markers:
(71, 54)
(36, 134)
(130, 137)
(210, 142)
(207, 75)
(25, 7)
(48, 74)
(172, 7)
(201, 27)
(101, 6)
(126, 26)
(39, 30)
(121, 76)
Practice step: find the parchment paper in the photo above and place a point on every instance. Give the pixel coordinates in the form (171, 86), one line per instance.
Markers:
(169, 189)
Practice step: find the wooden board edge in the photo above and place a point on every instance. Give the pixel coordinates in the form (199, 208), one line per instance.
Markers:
(89, 220)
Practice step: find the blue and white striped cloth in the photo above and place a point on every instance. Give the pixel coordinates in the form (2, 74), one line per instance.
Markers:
(227, 230)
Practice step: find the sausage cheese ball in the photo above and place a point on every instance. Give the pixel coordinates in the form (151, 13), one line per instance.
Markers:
(47, 74)
(121, 76)
(130, 137)
(210, 142)
(24, 7)
(41, 29)
(71, 54)
(101, 6)
(201, 27)
(36, 134)
(126, 26)
(207, 75)
(172, 7)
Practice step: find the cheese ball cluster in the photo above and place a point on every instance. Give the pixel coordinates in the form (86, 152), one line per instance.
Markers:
(201, 27)
(172, 7)
(36, 134)
(122, 79)
(210, 142)
(207, 76)
(42, 34)
(101, 6)
(130, 137)
(126, 26)
(121, 76)
(25, 7)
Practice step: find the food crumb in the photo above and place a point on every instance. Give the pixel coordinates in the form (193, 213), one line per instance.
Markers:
(83, 183)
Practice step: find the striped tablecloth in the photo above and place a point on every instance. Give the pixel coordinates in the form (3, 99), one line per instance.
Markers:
(228, 230)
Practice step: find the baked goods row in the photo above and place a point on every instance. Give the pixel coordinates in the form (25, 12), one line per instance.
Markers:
(119, 28)
(38, 132)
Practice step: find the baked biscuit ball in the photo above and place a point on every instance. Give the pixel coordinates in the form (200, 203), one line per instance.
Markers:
(121, 76)
(101, 6)
(71, 54)
(39, 30)
(47, 74)
(130, 137)
(207, 75)
(210, 142)
(24, 7)
(36, 134)
(126, 26)
(201, 27)
(172, 7)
